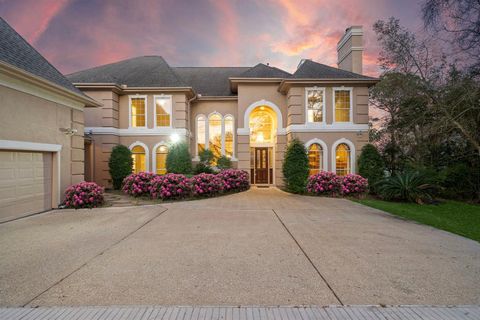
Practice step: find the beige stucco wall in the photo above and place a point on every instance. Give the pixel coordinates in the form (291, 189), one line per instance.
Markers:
(105, 116)
(352, 60)
(29, 118)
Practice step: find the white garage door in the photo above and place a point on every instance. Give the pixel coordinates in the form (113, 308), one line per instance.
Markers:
(25, 183)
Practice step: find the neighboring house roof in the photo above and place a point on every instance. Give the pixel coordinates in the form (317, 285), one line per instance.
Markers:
(17, 52)
(146, 71)
(309, 69)
(264, 71)
(210, 81)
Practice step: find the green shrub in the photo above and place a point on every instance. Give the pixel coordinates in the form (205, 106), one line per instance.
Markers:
(202, 168)
(371, 166)
(120, 165)
(295, 167)
(406, 186)
(206, 157)
(461, 181)
(224, 163)
(179, 159)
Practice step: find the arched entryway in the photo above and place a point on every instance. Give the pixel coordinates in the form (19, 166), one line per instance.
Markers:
(263, 125)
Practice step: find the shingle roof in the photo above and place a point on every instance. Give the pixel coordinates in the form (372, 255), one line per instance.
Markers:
(313, 70)
(146, 71)
(210, 81)
(263, 71)
(17, 52)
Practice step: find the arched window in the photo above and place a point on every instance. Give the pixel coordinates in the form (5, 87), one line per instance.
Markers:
(342, 159)
(201, 133)
(138, 155)
(315, 158)
(261, 126)
(228, 122)
(161, 159)
(215, 134)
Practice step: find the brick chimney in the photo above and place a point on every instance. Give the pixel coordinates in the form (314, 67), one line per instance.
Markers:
(350, 50)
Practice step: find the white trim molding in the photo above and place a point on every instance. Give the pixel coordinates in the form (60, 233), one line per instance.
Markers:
(324, 120)
(352, 154)
(130, 110)
(324, 151)
(337, 127)
(207, 133)
(147, 153)
(39, 147)
(350, 89)
(159, 131)
(169, 109)
(154, 154)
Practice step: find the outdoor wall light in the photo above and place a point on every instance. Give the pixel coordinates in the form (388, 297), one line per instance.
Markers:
(68, 131)
(174, 137)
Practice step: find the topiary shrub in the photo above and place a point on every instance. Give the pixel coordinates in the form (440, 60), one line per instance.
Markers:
(234, 180)
(170, 186)
(324, 183)
(206, 185)
(224, 162)
(83, 195)
(295, 167)
(138, 184)
(371, 166)
(120, 165)
(354, 185)
(406, 186)
(179, 159)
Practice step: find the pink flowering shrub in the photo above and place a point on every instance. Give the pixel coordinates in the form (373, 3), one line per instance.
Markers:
(83, 195)
(138, 184)
(324, 183)
(206, 185)
(354, 184)
(234, 180)
(170, 186)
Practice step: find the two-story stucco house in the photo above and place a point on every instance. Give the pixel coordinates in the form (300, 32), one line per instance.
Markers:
(246, 113)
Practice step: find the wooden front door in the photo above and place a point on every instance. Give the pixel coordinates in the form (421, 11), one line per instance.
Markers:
(261, 165)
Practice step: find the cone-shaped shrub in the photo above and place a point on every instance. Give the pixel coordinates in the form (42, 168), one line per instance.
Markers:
(371, 165)
(179, 159)
(120, 165)
(295, 167)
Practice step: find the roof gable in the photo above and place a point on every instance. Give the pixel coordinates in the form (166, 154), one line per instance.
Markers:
(17, 52)
(313, 70)
(264, 71)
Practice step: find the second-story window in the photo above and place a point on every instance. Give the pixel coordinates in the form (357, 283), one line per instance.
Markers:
(343, 105)
(137, 111)
(315, 101)
(163, 111)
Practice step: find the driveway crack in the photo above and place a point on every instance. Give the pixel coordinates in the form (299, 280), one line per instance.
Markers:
(308, 258)
(95, 256)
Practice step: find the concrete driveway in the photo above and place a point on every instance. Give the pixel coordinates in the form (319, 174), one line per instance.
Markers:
(261, 247)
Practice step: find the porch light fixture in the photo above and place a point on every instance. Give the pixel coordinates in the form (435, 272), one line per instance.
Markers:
(68, 131)
(174, 137)
(260, 138)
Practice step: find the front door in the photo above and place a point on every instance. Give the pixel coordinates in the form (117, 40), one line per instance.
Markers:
(261, 165)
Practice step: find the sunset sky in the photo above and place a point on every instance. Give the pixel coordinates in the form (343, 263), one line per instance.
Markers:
(78, 34)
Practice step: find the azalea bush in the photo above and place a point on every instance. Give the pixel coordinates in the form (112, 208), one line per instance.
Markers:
(234, 180)
(138, 184)
(206, 185)
(170, 186)
(324, 183)
(354, 185)
(83, 195)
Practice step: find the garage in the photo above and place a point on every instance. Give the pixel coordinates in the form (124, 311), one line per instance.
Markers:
(25, 183)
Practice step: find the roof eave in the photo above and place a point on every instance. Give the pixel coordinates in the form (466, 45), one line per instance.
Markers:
(122, 89)
(218, 98)
(46, 84)
(234, 81)
(286, 83)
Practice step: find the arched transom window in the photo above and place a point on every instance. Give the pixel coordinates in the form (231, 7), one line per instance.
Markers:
(315, 158)
(216, 133)
(261, 125)
(161, 159)
(342, 159)
(138, 155)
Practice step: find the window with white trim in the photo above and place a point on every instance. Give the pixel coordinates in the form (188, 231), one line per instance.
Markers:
(216, 133)
(342, 104)
(315, 158)
(138, 108)
(315, 103)
(342, 159)
(161, 159)
(163, 111)
(139, 159)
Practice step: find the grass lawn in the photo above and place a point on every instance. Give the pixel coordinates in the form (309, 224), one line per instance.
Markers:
(456, 217)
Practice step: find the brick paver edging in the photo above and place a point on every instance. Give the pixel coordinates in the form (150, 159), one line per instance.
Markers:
(244, 313)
